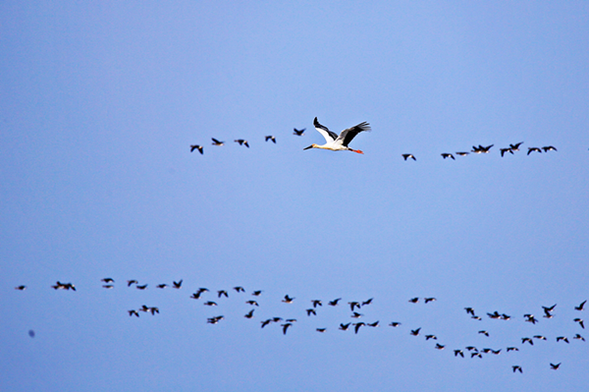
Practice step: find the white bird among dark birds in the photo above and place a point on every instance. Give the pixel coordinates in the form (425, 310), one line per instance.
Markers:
(335, 142)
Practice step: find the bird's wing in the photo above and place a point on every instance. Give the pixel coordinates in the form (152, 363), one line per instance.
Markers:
(327, 134)
(347, 135)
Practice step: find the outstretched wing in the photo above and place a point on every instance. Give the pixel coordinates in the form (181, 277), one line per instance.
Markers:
(347, 135)
(327, 134)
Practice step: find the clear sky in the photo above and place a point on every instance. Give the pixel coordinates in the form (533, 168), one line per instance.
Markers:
(101, 101)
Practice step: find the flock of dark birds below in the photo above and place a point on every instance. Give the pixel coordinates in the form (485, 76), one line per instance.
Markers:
(340, 142)
(355, 307)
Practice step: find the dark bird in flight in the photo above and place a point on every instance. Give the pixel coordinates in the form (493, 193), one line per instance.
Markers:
(428, 337)
(533, 149)
(249, 314)
(447, 155)
(334, 302)
(367, 302)
(285, 327)
(133, 313)
(458, 352)
(505, 317)
(161, 286)
(469, 310)
(357, 326)
(221, 293)
(530, 318)
(344, 327)
(108, 286)
(356, 315)
(320, 329)
(504, 150)
(239, 289)
(414, 300)
(579, 337)
(515, 147)
(107, 280)
(287, 299)
(462, 154)
(529, 340)
(215, 320)
(21, 287)
(257, 293)
(539, 337)
(580, 321)
(252, 302)
(316, 302)
(130, 282)
(178, 284)
(265, 322)
(517, 368)
(373, 325)
(439, 346)
(297, 132)
(270, 137)
(430, 299)
(512, 349)
(217, 142)
(494, 315)
(415, 332)
(549, 148)
(581, 306)
(242, 142)
(210, 303)
(354, 304)
(394, 324)
(311, 312)
(563, 338)
(407, 156)
(481, 150)
(484, 333)
(554, 367)
(197, 147)
(143, 287)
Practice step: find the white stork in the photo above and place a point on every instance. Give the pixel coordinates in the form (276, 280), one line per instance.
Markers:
(335, 142)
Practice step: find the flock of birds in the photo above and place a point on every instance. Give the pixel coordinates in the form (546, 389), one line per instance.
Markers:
(335, 142)
(213, 299)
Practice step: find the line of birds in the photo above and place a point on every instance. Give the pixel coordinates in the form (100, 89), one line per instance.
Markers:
(335, 142)
(355, 307)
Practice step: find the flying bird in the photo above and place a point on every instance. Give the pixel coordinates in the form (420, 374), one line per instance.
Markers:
(563, 338)
(196, 147)
(357, 326)
(252, 302)
(414, 300)
(107, 280)
(344, 327)
(581, 306)
(462, 154)
(334, 302)
(367, 302)
(504, 150)
(430, 299)
(177, 285)
(242, 142)
(21, 287)
(549, 148)
(529, 340)
(287, 299)
(515, 147)
(415, 332)
(249, 314)
(580, 321)
(481, 150)
(270, 137)
(239, 289)
(533, 149)
(517, 368)
(311, 311)
(394, 324)
(217, 142)
(297, 132)
(316, 302)
(458, 352)
(447, 155)
(221, 293)
(285, 327)
(320, 329)
(334, 142)
(407, 156)
(554, 367)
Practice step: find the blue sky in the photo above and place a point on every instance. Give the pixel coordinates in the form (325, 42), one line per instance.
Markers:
(102, 101)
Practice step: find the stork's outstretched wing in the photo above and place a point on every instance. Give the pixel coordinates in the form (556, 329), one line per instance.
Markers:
(327, 134)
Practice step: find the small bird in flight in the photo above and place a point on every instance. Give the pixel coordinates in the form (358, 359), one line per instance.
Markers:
(217, 142)
(242, 142)
(298, 133)
(270, 137)
(197, 147)
(407, 156)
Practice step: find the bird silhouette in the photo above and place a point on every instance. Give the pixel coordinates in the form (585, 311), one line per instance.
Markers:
(197, 147)
(407, 156)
